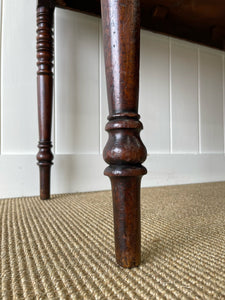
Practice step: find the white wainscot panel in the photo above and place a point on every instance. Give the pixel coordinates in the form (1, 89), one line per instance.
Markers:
(18, 83)
(184, 97)
(211, 101)
(189, 168)
(69, 172)
(154, 92)
(224, 99)
(76, 83)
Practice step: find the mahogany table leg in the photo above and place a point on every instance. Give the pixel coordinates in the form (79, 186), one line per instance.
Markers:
(45, 11)
(124, 151)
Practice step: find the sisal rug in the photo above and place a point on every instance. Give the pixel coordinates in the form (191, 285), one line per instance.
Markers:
(64, 249)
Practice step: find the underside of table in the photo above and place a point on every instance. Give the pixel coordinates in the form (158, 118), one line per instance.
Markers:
(201, 21)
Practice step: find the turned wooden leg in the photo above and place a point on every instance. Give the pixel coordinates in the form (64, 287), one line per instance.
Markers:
(124, 151)
(45, 13)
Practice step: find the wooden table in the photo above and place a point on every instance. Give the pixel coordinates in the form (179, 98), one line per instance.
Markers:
(197, 20)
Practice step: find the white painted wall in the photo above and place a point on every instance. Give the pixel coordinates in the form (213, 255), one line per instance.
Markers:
(181, 104)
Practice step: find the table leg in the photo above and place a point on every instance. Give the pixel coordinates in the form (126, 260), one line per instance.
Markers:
(124, 151)
(45, 12)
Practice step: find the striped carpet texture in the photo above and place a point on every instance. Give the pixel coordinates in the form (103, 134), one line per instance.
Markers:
(63, 248)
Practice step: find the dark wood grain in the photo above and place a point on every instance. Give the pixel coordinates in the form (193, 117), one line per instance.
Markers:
(124, 151)
(201, 21)
(194, 20)
(45, 12)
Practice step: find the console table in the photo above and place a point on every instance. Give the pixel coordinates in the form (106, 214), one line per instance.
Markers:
(199, 21)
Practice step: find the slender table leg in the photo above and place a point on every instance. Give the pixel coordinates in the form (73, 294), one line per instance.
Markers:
(45, 13)
(124, 151)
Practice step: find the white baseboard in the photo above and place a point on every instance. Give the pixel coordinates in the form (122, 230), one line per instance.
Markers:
(19, 175)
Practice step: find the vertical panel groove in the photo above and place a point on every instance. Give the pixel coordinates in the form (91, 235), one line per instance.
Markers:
(99, 87)
(55, 98)
(1, 16)
(170, 96)
(199, 105)
(223, 83)
(54, 105)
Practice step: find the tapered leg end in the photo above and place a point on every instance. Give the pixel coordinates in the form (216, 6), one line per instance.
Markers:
(127, 223)
(45, 178)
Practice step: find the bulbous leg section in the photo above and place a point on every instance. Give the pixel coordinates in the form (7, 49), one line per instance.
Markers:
(45, 158)
(125, 152)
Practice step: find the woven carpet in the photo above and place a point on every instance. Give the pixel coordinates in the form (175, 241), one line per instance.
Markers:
(63, 248)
